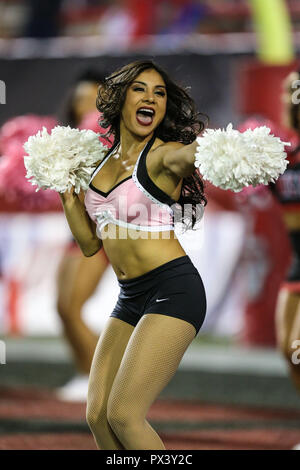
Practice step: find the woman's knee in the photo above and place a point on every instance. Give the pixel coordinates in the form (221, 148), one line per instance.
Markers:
(289, 344)
(96, 416)
(289, 350)
(68, 308)
(283, 346)
(69, 296)
(69, 302)
(62, 309)
(295, 375)
(121, 417)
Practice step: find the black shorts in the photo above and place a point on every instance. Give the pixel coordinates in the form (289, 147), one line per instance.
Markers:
(174, 289)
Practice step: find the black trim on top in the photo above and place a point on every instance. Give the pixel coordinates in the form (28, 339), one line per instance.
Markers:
(105, 158)
(106, 194)
(142, 176)
(146, 181)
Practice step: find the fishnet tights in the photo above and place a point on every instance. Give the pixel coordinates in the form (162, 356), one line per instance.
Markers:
(126, 378)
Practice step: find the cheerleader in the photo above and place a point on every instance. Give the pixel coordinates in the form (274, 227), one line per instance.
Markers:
(137, 190)
(162, 302)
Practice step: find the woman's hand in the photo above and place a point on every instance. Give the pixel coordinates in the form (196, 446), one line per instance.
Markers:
(68, 195)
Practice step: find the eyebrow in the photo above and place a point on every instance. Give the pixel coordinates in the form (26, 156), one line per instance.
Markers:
(143, 83)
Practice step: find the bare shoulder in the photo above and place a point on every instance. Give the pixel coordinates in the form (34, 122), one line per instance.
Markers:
(159, 153)
(163, 147)
(175, 158)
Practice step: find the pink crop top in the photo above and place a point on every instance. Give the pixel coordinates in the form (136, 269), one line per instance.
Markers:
(135, 202)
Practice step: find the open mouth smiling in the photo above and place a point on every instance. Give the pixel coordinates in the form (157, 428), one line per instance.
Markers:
(145, 116)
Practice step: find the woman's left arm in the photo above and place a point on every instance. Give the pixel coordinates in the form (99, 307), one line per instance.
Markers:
(179, 158)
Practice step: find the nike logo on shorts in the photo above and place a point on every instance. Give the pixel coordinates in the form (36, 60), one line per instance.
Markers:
(160, 300)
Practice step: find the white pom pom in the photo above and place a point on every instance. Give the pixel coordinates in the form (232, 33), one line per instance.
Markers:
(62, 159)
(232, 160)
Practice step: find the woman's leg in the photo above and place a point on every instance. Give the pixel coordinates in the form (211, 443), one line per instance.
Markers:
(294, 341)
(152, 356)
(106, 362)
(78, 277)
(288, 329)
(286, 309)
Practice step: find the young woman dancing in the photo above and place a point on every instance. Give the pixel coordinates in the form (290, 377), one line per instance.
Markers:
(129, 210)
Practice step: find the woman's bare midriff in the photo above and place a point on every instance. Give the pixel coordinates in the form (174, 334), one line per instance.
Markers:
(131, 254)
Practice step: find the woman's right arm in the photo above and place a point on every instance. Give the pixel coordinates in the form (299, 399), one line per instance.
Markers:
(82, 227)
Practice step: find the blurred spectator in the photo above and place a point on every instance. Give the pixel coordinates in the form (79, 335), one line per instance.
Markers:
(81, 17)
(117, 20)
(13, 15)
(43, 21)
(144, 14)
(129, 18)
(187, 16)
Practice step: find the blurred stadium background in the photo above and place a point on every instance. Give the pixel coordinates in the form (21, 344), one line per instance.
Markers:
(232, 390)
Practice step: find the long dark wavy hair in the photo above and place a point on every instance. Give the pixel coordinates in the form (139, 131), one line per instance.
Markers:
(182, 123)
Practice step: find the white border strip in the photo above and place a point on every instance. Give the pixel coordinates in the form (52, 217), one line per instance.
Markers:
(144, 228)
(117, 45)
